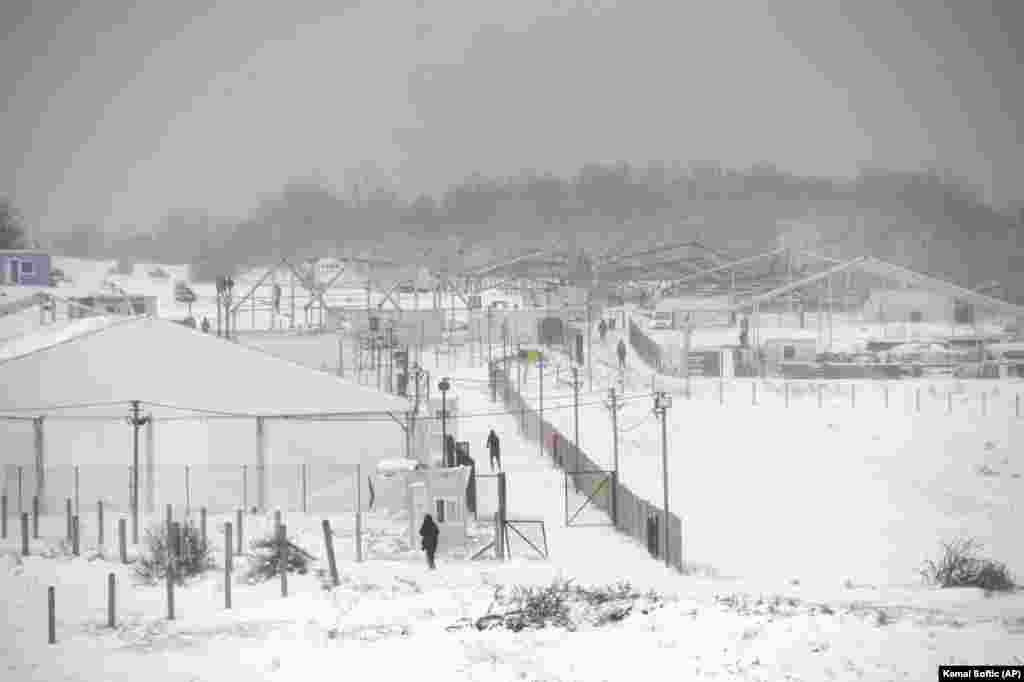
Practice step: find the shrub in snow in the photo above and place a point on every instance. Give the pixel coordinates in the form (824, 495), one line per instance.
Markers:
(194, 558)
(563, 605)
(959, 566)
(266, 559)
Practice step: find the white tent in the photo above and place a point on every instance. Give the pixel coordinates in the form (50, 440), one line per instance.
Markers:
(251, 428)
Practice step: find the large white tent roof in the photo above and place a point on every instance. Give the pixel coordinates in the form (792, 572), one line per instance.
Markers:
(96, 368)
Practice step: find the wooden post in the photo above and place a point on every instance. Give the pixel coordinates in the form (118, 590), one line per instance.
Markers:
(111, 585)
(99, 523)
(502, 510)
(359, 537)
(329, 546)
(51, 595)
(170, 588)
(3, 516)
(282, 538)
(24, 534)
(277, 522)
(122, 534)
(302, 471)
(238, 520)
(67, 513)
(227, 565)
(74, 537)
(169, 520)
(35, 517)
(188, 491)
(202, 525)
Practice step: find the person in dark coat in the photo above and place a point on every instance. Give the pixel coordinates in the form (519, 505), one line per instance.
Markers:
(429, 532)
(206, 325)
(602, 329)
(494, 448)
(622, 354)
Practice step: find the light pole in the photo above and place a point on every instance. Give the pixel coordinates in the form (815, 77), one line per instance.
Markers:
(663, 401)
(443, 386)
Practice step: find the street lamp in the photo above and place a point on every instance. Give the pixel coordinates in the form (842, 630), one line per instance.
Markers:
(443, 386)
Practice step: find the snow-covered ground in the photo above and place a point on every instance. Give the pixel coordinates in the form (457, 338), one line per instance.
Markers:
(390, 617)
(845, 500)
(850, 490)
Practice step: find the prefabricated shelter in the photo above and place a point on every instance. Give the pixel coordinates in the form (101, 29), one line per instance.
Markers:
(442, 494)
(24, 267)
(229, 426)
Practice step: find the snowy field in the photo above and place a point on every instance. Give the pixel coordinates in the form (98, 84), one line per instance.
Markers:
(842, 490)
(393, 619)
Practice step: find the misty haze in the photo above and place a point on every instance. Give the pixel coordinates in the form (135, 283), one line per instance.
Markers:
(537, 340)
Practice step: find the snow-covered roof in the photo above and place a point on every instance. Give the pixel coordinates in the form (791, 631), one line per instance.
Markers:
(97, 366)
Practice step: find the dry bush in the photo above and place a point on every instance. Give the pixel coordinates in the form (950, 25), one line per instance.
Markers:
(959, 566)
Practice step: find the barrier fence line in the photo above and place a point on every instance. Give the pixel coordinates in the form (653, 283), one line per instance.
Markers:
(634, 513)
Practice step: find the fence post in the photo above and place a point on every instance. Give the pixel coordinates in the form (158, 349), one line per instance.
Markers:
(170, 587)
(984, 404)
(329, 546)
(753, 392)
(67, 513)
(886, 387)
(277, 522)
(3, 516)
(238, 520)
(188, 491)
(228, 561)
(853, 396)
(305, 507)
(74, 538)
(917, 399)
(949, 402)
(786, 390)
(283, 566)
(35, 517)
(99, 523)
(111, 584)
(123, 540)
(51, 598)
(24, 534)
(202, 525)
(169, 520)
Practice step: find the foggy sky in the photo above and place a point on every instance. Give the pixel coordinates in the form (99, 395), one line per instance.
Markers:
(116, 114)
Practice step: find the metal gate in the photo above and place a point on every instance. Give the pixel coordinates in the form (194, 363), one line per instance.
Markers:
(595, 486)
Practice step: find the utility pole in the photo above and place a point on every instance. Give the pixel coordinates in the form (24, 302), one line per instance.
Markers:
(540, 412)
(576, 403)
(614, 406)
(590, 346)
(136, 421)
(663, 401)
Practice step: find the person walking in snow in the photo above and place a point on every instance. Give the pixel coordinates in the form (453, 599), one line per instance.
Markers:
(602, 329)
(206, 325)
(449, 450)
(429, 532)
(621, 350)
(494, 447)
